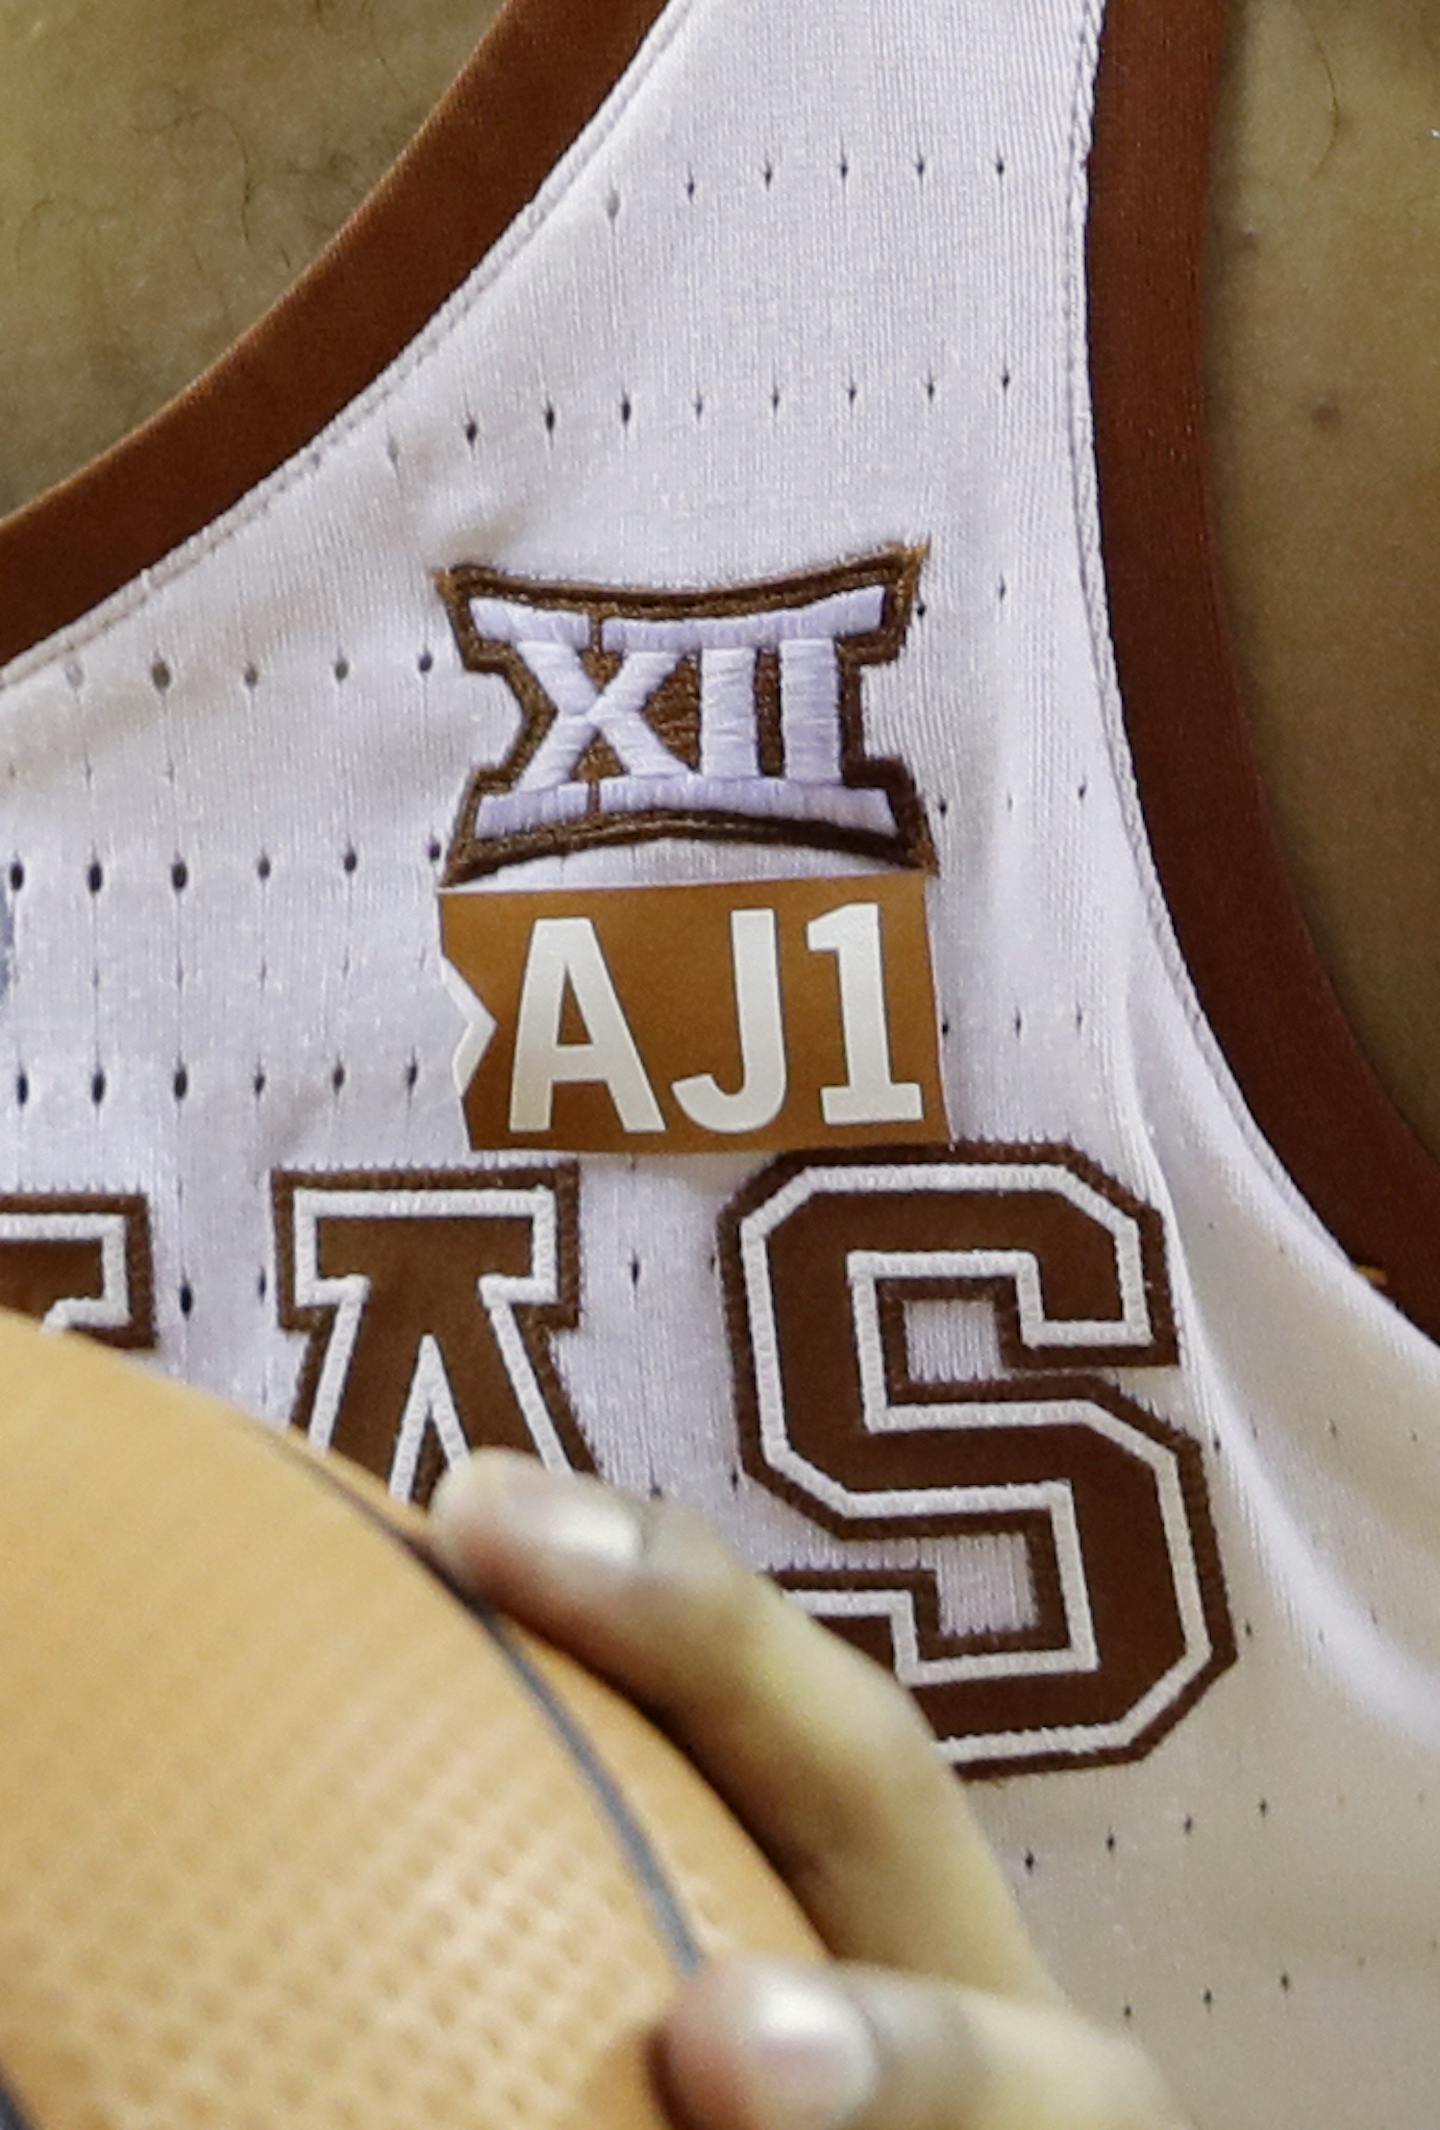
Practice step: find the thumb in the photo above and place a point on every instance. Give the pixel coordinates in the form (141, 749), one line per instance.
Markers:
(766, 2045)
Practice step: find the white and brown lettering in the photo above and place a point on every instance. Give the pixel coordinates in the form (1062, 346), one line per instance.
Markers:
(732, 714)
(809, 1016)
(430, 1299)
(1126, 1621)
(80, 1262)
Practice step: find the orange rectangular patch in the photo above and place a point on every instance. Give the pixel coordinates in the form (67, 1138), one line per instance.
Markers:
(779, 1013)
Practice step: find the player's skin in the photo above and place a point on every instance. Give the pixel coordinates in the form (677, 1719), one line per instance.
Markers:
(166, 168)
(1324, 360)
(938, 2014)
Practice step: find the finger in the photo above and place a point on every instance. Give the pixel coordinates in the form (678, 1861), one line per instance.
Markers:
(762, 2045)
(826, 1761)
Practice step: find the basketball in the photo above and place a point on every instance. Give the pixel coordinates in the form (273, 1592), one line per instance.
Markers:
(290, 1833)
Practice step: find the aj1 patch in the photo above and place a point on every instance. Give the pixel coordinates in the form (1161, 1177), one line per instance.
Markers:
(697, 1019)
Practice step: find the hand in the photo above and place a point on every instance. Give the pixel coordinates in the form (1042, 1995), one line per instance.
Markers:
(939, 2014)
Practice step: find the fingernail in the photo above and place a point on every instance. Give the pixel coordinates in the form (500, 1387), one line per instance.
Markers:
(574, 1522)
(807, 2057)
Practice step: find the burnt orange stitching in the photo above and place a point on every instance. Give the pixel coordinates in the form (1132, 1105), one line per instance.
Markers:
(36, 1275)
(1135, 1610)
(366, 1430)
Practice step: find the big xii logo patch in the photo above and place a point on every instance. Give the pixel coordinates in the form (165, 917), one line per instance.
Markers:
(776, 1013)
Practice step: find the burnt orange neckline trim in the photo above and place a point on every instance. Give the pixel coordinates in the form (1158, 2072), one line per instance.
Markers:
(1254, 965)
(535, 81)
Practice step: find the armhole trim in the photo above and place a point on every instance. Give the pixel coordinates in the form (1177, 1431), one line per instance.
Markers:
(1249, 952)
(535, 81)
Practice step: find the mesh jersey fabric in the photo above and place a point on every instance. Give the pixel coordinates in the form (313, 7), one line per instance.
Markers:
(810, 285)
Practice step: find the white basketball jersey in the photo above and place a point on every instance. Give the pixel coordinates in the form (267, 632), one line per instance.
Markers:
(629, 834)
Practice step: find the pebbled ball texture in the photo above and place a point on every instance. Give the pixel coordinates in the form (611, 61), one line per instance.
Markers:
(289, 1839)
